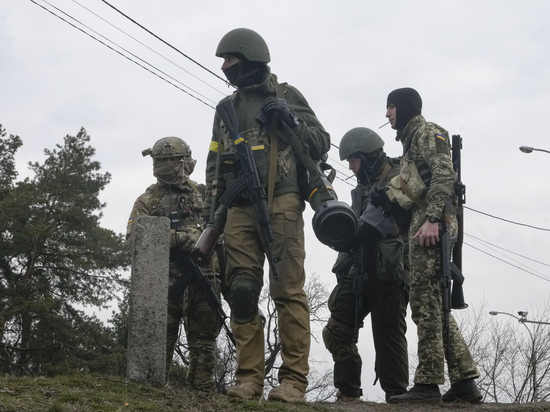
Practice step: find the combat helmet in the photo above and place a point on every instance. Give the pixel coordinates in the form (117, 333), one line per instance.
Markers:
(168, 147)
(246, 42)
(171, 146)
(359, 140)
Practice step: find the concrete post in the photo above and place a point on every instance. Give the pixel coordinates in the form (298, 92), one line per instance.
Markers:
(148, 301)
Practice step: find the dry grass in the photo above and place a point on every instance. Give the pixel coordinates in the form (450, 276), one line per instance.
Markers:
(85, 393)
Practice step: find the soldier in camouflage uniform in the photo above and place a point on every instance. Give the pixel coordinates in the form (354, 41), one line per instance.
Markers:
(283, 107)
(428, 146)
(385, 291)
(179, 198)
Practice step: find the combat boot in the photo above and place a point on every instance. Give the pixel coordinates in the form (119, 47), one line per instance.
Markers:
(340, 397)
(286, 392)
(246, 390)
(390, 394)
(419, 393)
(463, 391)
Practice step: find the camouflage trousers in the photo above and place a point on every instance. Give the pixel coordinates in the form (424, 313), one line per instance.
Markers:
(245, 256)
(426, 312)
(201, 324)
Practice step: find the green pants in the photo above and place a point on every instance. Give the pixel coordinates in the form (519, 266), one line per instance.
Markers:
(385, 299)
(245, 257)
(426, 312)
(201, 324)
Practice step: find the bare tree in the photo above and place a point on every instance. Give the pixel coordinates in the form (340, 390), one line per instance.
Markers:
(320, 382)
(513, 356)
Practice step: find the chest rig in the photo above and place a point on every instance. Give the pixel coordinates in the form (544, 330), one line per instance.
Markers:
(183, 206)
(273, 157)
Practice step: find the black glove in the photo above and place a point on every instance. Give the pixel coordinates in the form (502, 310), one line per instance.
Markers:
(278, 105)
(379, 198)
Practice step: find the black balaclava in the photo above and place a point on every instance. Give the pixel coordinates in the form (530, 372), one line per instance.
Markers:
(371, 165)
(245, 73)
(408, 104)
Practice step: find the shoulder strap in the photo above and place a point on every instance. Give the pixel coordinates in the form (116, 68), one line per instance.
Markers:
(407, 190)
(273, 150)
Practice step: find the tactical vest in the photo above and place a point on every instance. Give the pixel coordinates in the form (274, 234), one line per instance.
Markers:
(260, 140)
(182, 206)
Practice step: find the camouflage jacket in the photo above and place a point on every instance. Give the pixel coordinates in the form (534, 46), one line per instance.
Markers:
(186, 202)
(428, 145)
(248, 103)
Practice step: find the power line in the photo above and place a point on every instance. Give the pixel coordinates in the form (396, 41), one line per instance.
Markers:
(506, 250)
(168, 44)
(531, 270)
(508, 263)
(117, 51)
(506, 220)
(151, 49)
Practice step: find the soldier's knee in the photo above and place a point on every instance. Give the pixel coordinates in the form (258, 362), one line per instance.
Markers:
(244, 294)
(328, 339)
(339, 341)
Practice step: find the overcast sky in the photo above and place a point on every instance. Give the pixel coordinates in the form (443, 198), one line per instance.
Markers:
(481, 67)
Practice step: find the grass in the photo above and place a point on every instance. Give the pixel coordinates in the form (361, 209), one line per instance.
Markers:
(86, 393)
(90, 393)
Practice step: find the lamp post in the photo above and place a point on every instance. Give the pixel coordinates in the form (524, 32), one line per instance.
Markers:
(523, 320)
(529, 149)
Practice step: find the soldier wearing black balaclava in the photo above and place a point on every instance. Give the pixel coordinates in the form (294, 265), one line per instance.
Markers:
(426, 149)
(282, 107)
(408, 104)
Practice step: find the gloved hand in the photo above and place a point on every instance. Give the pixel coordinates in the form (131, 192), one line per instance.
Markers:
(379, 198)
(186, 237)
(279, 105)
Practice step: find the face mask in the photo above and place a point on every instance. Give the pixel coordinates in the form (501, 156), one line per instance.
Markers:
(171, 173)
(232, 73)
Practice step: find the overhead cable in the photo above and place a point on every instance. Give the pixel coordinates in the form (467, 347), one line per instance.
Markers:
(506, 220)
(117, 51)
(151, 49)
(506, 250)
(508, 263)
(168, 44)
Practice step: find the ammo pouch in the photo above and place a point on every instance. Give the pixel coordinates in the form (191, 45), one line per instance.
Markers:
(390, 265)
(407, 188)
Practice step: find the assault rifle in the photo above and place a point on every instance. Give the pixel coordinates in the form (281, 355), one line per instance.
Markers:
(452, 296)
(249, 180)
(195, 274)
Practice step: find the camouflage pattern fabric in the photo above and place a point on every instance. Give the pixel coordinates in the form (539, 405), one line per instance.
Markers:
(428, 145)
(200, 322)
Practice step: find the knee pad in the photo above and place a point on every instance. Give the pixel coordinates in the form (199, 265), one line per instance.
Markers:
(340, 345)
(244, 294)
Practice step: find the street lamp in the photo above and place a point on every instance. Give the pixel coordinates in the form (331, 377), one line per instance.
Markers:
(532, 361)
(522, 319)
(529, 149)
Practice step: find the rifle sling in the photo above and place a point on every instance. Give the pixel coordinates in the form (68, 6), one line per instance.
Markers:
(273, 152)
(272, 170)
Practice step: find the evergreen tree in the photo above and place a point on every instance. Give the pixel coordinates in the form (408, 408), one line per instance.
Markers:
(55, 256)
